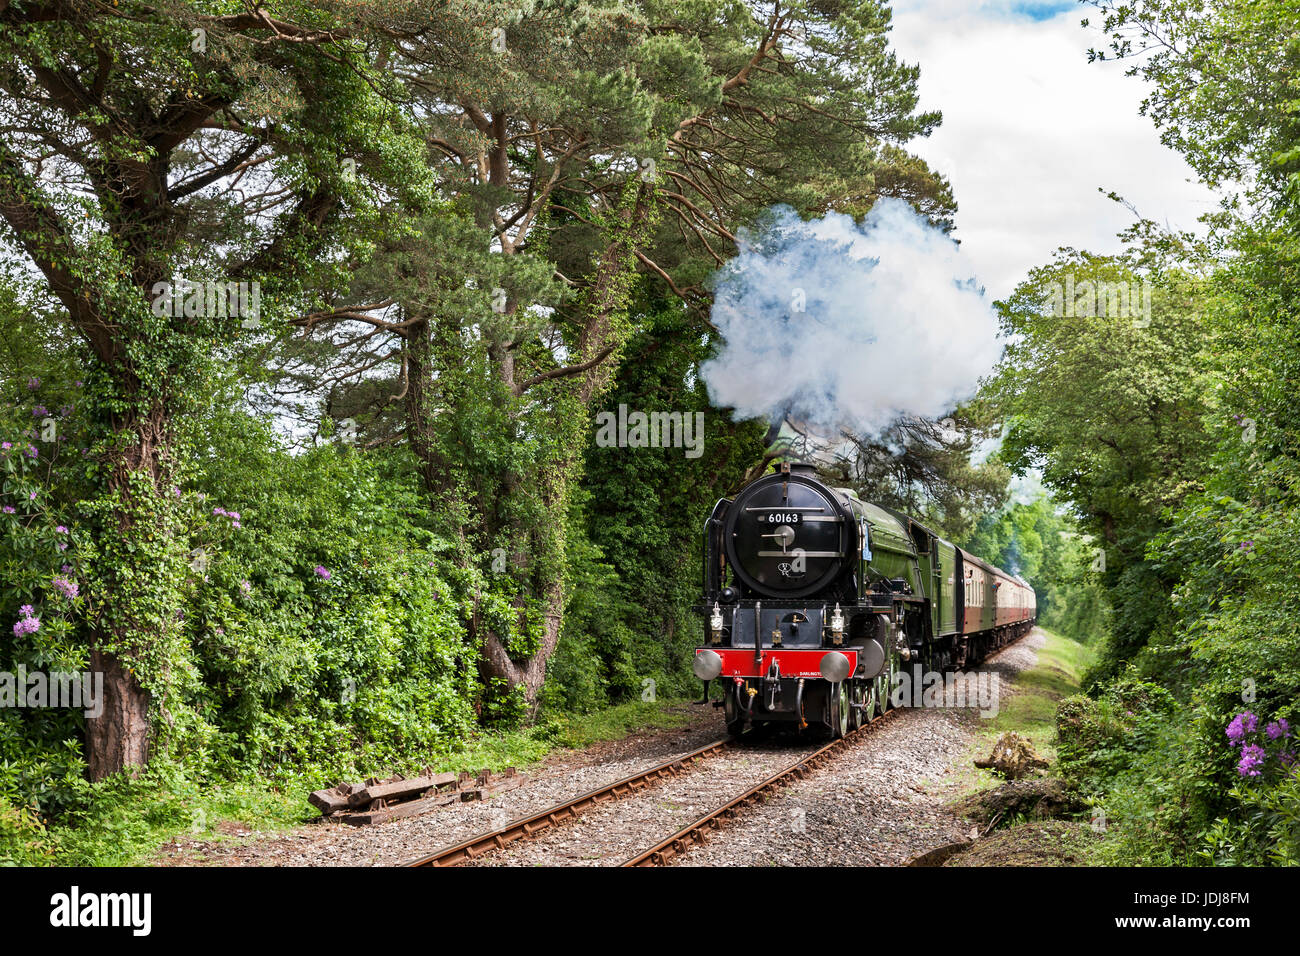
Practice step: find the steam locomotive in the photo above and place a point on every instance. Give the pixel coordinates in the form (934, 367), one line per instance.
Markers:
(813, 599)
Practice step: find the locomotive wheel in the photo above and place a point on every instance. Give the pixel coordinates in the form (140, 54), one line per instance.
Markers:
(885, 686)
(840, 710)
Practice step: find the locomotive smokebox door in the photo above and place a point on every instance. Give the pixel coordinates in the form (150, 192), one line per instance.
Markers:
(786, 535)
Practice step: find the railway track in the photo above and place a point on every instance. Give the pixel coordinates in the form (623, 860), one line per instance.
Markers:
(526, 828)
(696, 832)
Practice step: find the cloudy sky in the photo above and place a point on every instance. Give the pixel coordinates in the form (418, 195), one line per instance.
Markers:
(1031, 129)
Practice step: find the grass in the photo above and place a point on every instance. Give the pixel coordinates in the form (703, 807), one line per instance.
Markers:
(615, 723)
(129, 820)
(1030, 710)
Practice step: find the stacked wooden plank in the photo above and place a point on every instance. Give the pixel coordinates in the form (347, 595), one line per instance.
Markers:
(378, 801)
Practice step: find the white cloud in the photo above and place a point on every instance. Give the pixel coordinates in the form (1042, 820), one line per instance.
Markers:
(1031, 130)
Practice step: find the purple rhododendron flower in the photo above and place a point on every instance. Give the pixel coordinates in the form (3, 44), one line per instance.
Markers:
(323, 571)
(1252, 758)
(40, 411)
(9, 509)
(69, 588)
(1244, 723)
(1278, 728)
(61, 529)
(34, 383)
(7, 445)
(29, 624)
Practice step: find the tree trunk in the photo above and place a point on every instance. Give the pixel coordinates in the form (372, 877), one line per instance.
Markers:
(134, 591)
(530, 674)
(119, 737)
(605, 330)
(605, 324)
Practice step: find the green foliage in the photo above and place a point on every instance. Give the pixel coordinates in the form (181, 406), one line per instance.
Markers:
(1110, 407)
(328, 628)
(1039, 541)
(636, 561)
(1099, 737)
(1222, 80)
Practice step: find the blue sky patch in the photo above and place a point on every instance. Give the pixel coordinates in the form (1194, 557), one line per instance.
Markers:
(1042, 10)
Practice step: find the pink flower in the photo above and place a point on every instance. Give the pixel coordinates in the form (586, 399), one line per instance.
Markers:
(1252, 758)
(29, 622)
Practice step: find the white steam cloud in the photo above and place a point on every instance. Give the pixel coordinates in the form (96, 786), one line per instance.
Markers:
(843, 325)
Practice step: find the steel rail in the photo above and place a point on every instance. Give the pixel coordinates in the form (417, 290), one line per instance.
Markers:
(526, 828)
(696, 831)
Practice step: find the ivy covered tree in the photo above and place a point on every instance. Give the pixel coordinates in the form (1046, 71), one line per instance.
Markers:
(143, 146)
